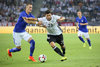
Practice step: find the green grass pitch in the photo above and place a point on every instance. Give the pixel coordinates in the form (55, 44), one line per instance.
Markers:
(77, 55)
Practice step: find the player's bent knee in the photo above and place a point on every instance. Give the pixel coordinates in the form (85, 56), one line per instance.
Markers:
(19, 47)
(87, 38)
(30, 39)
(63, 46)
(79, 36)
(52, 44)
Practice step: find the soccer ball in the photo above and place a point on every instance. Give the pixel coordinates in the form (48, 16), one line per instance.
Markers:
(42, 58)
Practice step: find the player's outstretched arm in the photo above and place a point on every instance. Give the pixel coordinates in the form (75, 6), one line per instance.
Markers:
(42, 26)
(61, 19)
(30, 18)
(27, 20)
(83, 23)
(33, 19)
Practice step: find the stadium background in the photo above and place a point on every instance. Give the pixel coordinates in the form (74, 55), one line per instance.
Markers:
(78, 56)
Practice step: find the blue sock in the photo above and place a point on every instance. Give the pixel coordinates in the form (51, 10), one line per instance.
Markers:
(32, 47)
(14, 50)
(81, 39)
(89, 42)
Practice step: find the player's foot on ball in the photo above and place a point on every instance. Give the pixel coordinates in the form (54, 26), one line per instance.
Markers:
(9, 53)
(90, 47)
(63, 58)
(32, 59)
(84, 44)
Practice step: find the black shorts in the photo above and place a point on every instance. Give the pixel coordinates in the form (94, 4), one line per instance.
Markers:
(56, 38)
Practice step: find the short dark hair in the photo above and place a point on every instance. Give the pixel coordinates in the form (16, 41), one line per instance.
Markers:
(79, 11)
(47, 12)
(28, 3)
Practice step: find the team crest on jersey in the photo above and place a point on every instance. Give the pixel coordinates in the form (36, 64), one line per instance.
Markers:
(82, 20)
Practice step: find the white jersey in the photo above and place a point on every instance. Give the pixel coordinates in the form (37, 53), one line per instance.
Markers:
(52, 25)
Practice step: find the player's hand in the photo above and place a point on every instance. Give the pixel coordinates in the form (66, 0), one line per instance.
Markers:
(40, 23)
(77, 27)
(61, 19)
(81, 23)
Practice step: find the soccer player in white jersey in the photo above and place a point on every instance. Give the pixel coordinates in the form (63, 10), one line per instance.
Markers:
(81, 23)
(54, 31)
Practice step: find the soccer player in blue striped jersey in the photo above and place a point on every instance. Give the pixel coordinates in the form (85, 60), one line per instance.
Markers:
(81, 23)
(19, 32)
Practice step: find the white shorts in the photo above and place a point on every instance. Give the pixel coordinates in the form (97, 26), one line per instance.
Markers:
(17, 37)
(86, 35)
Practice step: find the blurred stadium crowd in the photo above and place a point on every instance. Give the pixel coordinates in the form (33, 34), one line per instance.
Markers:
(10, 9)
(68, 8)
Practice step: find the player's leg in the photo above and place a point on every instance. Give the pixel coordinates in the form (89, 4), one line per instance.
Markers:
(32, 47)
(63, 49)
(56, 49)
(89, 42)
(80, 37)
(60, 41)
(17, 41)
(51, 39)
(16, 49)
(29, 39)
(86, 35)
